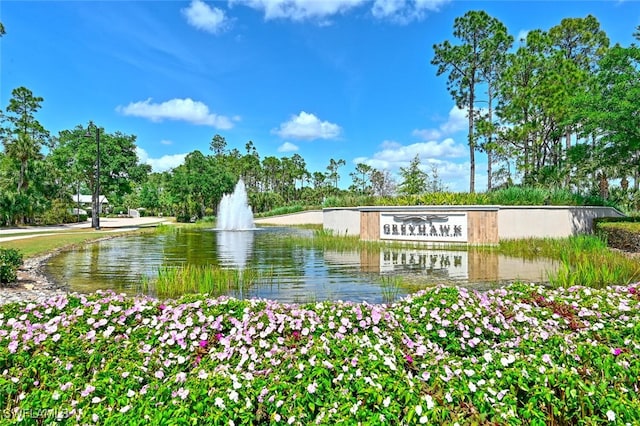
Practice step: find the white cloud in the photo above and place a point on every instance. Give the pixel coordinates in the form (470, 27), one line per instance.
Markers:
(456, 121)
(287, 147)
(400, 11)
(166, 142)
(405, 11)
(203, 17)
(300, 10)
(176, 109)
(162, 164)
(396, 153)
(307, 126)
(393, 155)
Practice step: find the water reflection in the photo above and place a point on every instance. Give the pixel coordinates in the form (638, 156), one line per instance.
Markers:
(299, 273)
(234, 248)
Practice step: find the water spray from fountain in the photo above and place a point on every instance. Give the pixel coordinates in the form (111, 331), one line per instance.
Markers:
(234, 212)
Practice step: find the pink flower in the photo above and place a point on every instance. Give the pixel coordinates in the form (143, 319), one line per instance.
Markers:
(203, 343)
(616, 351)
(408, 358)
(87, 390)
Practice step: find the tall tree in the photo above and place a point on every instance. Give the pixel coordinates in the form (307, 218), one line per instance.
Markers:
(120, 169)
(361, 178)
(464, 62)
(218, 144)
(520, 105)
(493, 63)
(577, 44)
(414, 179)
(609, 112)
(382, 183)
(22, 135)
(332, 171)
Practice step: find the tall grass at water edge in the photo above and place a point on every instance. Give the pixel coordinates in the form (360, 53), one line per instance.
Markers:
(584, 260)
(205, 279)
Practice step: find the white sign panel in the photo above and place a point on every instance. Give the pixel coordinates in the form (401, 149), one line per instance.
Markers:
(424, 226)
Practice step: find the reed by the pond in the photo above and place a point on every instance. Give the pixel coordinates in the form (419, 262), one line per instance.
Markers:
(205, 279)
(584, 260)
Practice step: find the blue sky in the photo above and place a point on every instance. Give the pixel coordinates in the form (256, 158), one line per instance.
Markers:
(341, 79)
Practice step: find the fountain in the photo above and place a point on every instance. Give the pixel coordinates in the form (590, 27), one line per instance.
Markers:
(234, 212)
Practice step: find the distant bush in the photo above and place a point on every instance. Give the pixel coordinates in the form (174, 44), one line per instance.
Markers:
(10, 261)
(512, 196)
(59, 212)
(281, 210)
(265, 201)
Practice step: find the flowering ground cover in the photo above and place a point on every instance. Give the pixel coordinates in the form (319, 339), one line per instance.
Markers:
(524, 354)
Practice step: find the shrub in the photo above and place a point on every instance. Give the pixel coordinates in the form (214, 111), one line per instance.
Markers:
(622, 235)
(10, 261)
(58, 212)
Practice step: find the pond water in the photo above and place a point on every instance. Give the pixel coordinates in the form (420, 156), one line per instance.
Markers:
(300, 274)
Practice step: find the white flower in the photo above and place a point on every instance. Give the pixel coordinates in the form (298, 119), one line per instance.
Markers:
(429, 401)
(419, 410)
(611, 416)
(386, 401)
(311, 388)
(219, 403)
(472, 387)
(508, 360)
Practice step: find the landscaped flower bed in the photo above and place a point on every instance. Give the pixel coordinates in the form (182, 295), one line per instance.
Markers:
(520, 355)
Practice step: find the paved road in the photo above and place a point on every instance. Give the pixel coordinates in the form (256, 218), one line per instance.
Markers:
(106, 224)
(119, 224)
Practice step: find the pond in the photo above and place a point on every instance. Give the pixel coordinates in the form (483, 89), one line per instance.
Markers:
(299, 274)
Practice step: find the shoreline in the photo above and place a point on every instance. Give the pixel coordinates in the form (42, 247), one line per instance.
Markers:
(32, 284)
